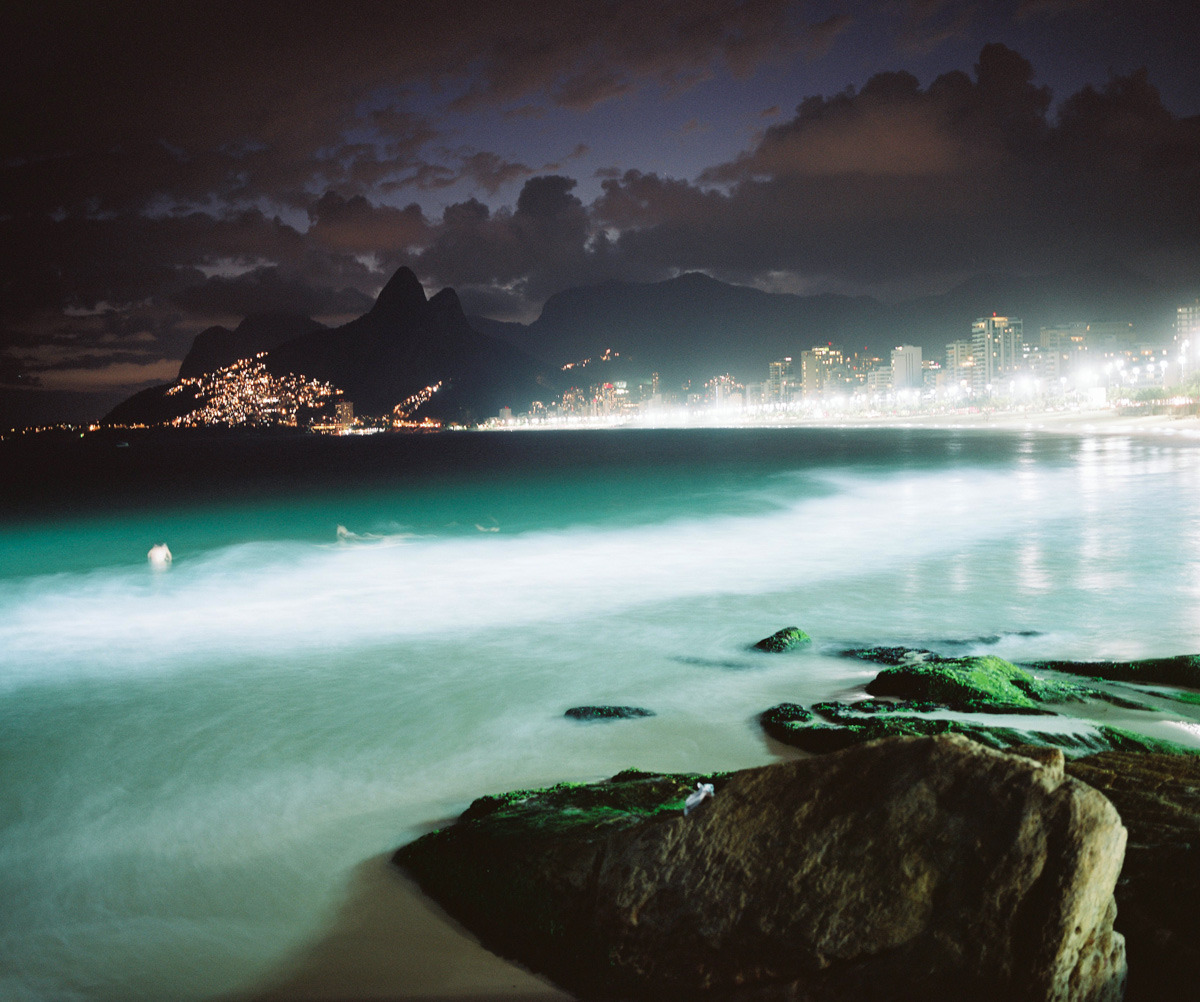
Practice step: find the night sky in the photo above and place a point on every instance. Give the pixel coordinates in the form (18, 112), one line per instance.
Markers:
(167, 167)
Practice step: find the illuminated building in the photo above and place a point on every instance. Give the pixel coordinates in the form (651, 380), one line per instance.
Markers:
(404, 413)
(779, 381)
(1061, 348)
(996, 343)
(816, 368)
(1187, 335)
(960, 363)
(879, 379)
(906, 368)
(724, 392)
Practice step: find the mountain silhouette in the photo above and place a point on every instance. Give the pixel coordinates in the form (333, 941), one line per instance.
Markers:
(695, 327)
(406, 342)
(217, 347)
(403, 344)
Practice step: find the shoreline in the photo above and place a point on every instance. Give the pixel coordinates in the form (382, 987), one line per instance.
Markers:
(388, 941)
(1104, 420)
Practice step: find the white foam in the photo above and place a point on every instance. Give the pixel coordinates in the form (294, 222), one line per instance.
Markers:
(281, 597)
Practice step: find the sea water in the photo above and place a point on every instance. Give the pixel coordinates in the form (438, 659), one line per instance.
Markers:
(356, 638)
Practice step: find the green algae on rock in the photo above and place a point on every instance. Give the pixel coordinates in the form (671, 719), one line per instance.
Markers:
(553, 833)
(830, 727)
(980, 683)
(1181, 670)
(983, 683)
(588, 713)
(841, 876)
(783, 640)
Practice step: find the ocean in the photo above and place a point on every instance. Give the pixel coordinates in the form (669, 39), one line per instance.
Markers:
(356, 637)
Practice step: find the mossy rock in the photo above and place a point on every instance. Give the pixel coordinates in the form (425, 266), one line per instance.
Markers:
(1121, 740)
(552, 832)
(588, 713)
(977, 683)
(789, 638)
(983, 683)
(1181, 670)
(850, 713)
(832, 726)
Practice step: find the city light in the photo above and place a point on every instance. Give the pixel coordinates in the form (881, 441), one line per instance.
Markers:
(245, 393)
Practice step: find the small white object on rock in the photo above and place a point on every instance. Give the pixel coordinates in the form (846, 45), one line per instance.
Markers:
(159, 555)
(694, 799)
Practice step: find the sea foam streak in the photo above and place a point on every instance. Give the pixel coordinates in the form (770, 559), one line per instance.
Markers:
(276, 597)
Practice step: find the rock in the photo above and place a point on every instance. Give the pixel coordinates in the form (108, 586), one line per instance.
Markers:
(832, 726)
(1158, 798)
(980, 683)
(975, 683)
(985, 683)
(783, 640)
(606, 712)
(902, 870)
(1183, 670)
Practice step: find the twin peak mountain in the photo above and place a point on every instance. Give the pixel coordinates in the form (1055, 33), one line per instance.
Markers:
(404, 343)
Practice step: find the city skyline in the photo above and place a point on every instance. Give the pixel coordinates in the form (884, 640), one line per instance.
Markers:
(1077, 365)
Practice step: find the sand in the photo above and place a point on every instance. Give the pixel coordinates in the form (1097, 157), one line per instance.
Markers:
(389, 941)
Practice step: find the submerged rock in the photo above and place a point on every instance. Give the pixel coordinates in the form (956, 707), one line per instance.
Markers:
(1182, 670)
(901, 870)
(607, 712)
(829, 727)
(783, 640)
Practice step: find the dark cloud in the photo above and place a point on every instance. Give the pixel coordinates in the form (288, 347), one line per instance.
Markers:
(819, 38)
(121, 103)
(268, 289)
(540, 247)
(491, 172)
(896, 182)
(357, 226)
(1027, 8)
(590, 51)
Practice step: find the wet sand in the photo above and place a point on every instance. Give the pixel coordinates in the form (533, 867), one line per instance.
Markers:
(389, 941)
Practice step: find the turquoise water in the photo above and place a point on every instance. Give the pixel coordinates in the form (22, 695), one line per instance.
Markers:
(194, 760)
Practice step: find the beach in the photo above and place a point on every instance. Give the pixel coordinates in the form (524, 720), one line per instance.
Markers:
(389, 941)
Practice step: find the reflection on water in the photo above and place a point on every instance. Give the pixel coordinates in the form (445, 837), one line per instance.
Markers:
(196, 761)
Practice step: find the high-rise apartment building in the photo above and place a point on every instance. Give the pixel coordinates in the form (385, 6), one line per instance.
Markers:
(906, 368)
(816, 367)
(1060, 349)
(996, 343)
(960, 363)
(779, 381)
(1187, 335)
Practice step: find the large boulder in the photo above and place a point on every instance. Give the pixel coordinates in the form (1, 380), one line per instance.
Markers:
(1158, 797)
(910, 868)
